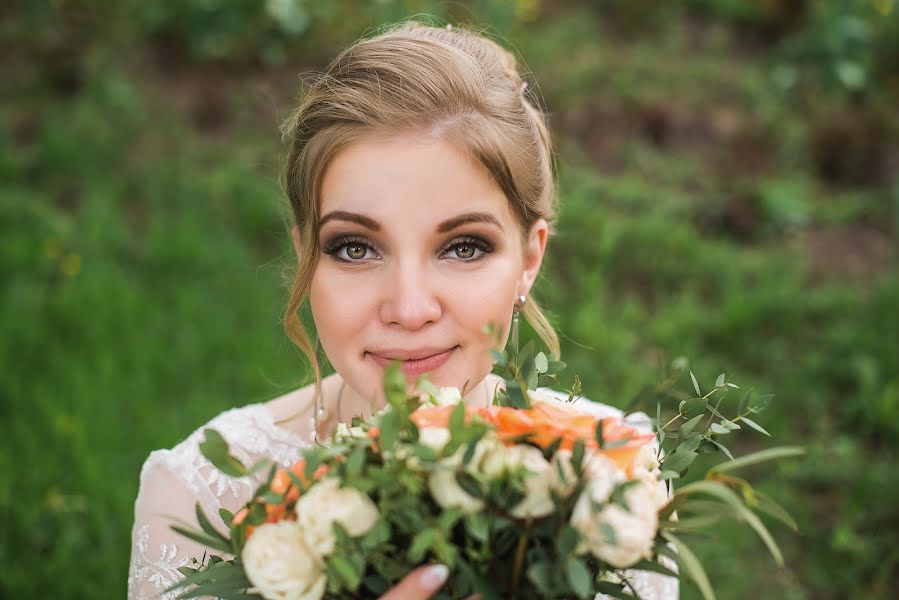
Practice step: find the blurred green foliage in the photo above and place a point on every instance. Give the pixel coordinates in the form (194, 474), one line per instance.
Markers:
(728, 194)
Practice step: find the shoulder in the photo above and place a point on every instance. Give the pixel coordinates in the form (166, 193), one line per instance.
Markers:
(251, 433)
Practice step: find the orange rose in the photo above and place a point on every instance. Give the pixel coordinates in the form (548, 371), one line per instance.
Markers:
(545, 423)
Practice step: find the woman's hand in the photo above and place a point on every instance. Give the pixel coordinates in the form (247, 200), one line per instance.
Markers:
(420, 584)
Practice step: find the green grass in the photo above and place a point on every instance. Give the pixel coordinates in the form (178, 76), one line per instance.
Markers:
(142, 294)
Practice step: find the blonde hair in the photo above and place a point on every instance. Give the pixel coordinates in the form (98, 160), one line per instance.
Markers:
(449, 83)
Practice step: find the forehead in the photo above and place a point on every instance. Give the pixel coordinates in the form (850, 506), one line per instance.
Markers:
(412, 180)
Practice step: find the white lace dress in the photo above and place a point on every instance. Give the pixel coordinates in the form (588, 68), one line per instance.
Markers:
(172, 481)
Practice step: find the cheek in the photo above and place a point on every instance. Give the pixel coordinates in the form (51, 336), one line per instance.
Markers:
(489, 300)
(337, 309)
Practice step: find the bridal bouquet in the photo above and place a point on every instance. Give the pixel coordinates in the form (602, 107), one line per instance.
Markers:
(527, 498)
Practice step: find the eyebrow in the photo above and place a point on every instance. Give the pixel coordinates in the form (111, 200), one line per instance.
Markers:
(445, 226)
(342, 215)
(475, 217)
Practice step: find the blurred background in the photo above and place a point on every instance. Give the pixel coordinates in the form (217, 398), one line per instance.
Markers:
(729, 183)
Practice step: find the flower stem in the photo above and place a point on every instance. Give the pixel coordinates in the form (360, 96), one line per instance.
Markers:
(519, 559)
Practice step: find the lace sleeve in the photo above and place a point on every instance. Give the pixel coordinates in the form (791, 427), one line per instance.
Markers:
(156, 550)
(173, 481)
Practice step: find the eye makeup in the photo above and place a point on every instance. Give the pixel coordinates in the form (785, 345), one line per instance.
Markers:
(340, 246)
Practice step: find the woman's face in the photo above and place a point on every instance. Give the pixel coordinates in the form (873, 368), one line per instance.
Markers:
(419, 251)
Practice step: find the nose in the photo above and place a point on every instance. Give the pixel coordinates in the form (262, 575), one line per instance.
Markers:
(410, 299)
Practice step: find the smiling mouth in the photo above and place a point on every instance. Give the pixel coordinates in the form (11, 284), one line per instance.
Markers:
(415, 367)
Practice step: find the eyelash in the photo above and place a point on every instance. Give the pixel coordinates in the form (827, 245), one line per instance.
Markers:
(334, 247)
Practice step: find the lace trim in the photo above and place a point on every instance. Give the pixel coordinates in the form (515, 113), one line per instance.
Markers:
(159, 572)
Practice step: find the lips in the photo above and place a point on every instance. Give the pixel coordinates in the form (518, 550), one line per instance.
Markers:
(414, 362)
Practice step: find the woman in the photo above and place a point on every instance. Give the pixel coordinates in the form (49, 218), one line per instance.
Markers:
(420, 184)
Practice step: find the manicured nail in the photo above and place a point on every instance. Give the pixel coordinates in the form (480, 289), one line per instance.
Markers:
(434, 576)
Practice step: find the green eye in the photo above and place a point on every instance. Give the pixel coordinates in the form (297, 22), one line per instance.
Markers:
(465, 251)
(356, 251)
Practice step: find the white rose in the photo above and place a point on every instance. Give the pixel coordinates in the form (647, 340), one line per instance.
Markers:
(448, 493)
(562, 477)
(442, 482)
(633, 531)
(448, 396)
(537, 501)
(280, 565)
(435, 438)
(326, 503)
(646, 458)
(344, 431)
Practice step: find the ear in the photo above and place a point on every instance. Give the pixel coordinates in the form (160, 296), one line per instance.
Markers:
(533, 254)
(297, 245)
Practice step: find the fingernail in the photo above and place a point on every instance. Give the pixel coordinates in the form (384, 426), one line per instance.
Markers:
(434, 576)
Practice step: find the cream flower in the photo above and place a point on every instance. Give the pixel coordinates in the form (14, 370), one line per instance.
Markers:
(435, 438)
(448, 396)
(326, 503)
(612, 534)
(442, 482)
(537, 501)
(344, 431)
(280, 565)
(562, 477)
(448, 493)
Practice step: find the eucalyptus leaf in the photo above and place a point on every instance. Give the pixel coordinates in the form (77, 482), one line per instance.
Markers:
(578, 576)
(691, 566)
(695, 384)
(755, 426)
(760, 456)
(215, 449)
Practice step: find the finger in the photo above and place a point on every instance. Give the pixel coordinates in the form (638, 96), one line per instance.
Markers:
(420, 584)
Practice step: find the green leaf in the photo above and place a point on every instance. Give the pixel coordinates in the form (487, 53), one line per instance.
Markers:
(688, 427)
(477, 526)
(760, 456)
(457, 420)
(771, 508)
(731, 499)
(693, 407)
(615, 590)
(760, 403)
(679, 460)
(716, 428)
(481, 585)
(469, 484)
(215, 449)
(721, 447)
(206, 526)
(695, 384)
(691, 566)
(226, 515)
(720, 381)
(744, 402)
(652, 566)
(421, 544)
(394, 384)
(203, 538)
(566, 541)
(755, 426)
(541, 363)
(541, 575)
(578, 576)
(389, 428)
(356, 461)
(555, 366)
(345, 570)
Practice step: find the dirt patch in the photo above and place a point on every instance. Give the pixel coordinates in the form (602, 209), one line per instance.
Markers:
(858, 253)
